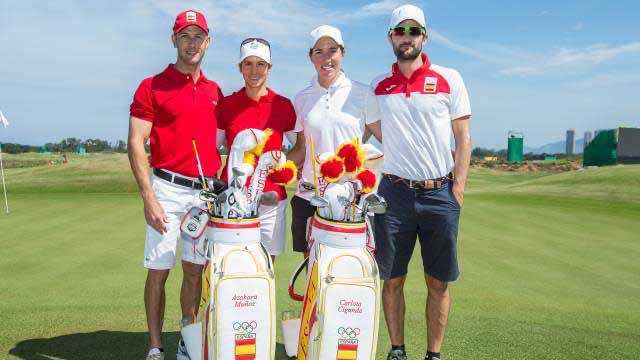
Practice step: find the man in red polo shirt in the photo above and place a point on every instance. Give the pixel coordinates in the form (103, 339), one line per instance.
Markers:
(170, 109)
(257, 106)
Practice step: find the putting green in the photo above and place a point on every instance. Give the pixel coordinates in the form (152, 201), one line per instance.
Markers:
(549, 267)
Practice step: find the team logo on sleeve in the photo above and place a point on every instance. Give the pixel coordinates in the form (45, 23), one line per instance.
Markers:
(430, 84)
(191, 16)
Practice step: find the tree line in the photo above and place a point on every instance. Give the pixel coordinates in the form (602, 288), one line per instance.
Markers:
(68, 145)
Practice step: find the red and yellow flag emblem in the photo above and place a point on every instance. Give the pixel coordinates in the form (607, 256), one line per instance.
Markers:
(347, 350)
(430, 84)
(245, 348)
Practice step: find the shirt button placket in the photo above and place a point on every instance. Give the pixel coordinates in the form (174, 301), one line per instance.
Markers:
(327, 100)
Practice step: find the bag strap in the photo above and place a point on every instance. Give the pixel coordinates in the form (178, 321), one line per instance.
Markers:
(294, 277)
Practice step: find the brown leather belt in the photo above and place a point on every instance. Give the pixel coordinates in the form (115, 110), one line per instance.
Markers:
(429, 184)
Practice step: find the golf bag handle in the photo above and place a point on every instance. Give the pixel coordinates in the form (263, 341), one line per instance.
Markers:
(294, 277)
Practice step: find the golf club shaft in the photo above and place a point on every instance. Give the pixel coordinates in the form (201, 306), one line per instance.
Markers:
(313, 165)
(204, 181)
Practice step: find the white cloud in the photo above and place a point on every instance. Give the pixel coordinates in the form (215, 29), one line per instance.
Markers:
(513, 61)
(285, 22)
(380, 8)
(567, 60)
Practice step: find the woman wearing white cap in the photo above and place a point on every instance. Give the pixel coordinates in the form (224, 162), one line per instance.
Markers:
(332, 110)
(258, 107)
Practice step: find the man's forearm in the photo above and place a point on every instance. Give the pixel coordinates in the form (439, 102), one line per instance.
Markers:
(140, 167)
(462, 160)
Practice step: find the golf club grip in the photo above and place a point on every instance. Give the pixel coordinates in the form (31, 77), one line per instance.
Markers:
(294, 277)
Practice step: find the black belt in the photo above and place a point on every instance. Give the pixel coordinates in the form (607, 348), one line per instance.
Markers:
(177, 179)
(429, 184)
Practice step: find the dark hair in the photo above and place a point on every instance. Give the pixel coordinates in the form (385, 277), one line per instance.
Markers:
(340, 46)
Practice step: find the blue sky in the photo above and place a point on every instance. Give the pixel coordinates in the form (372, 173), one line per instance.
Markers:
(69, 68)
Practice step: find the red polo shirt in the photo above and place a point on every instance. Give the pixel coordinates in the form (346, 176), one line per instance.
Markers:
(180, 110)
(239, 112)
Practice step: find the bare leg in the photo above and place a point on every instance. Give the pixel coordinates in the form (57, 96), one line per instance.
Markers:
(154, 301)
(191, 290)
(394, 308)
(437, 312)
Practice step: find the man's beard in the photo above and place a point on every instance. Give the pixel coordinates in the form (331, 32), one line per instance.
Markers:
(407, 56)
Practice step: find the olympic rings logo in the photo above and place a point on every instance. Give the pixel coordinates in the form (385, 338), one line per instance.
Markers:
(348, 332)
(246, 327)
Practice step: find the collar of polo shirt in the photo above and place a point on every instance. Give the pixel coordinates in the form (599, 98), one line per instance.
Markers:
(340, 81)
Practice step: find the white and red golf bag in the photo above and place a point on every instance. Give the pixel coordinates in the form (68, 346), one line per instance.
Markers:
(341, 304)
(236, 319)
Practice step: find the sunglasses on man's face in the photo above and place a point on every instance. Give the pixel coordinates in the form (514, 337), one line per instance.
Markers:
(411, 30)
(261, 41)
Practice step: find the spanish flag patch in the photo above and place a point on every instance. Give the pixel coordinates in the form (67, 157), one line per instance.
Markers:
(347, 350)
(245, 348)
(430, 84)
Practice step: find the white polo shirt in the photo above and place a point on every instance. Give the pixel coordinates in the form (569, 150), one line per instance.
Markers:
(332, 116)
(416, 116)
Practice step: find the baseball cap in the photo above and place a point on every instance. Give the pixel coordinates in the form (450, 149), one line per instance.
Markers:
(407, 12)
(190, 17)
(325, 30)
(255, 47)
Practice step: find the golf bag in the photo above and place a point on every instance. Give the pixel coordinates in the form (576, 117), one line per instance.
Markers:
(340, 311)
(236, 317)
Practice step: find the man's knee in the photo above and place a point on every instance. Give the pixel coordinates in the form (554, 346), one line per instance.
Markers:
(191, 271)
(157, 277)
(394, 286)
(437, 287)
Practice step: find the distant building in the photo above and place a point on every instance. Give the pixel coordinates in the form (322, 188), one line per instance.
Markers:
(570, 142)
(586, 140)
(615, 146)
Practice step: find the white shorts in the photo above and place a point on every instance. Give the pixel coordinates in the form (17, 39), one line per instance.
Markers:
(160, 250)
(273, 226)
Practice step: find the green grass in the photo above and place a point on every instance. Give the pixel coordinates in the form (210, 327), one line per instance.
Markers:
(549, 267)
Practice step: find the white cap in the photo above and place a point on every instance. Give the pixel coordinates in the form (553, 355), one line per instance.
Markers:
(407, 12)
(325, 30)
(255, 48)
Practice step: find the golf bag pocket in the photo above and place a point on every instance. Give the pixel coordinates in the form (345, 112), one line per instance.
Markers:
(244, 325)
(194, 222)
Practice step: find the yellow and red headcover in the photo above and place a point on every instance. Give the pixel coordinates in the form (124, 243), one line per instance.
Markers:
(352, 155)
(252, 156)
(368, 179)
(332, 169)
(283, 175)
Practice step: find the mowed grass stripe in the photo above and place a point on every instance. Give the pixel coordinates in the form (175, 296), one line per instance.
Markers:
(547, 273)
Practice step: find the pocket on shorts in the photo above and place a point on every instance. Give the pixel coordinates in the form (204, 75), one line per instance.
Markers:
(453, 197)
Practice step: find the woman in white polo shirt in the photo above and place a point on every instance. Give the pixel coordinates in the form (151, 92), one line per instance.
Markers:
(332, 110)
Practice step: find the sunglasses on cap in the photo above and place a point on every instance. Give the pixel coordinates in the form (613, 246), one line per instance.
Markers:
(411, 30)
(261, 41)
